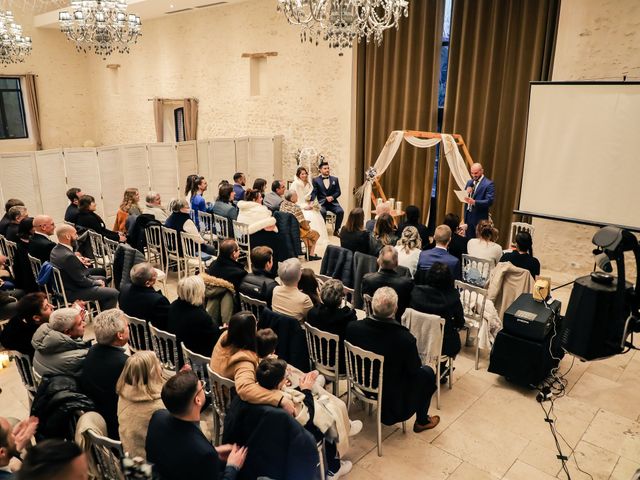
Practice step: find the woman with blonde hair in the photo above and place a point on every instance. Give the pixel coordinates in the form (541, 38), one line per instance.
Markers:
(484, 245)
(138, 390)
(128, 206)
(409, 247)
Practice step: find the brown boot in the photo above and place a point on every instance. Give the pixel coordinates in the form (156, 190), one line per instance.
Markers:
(434, 420)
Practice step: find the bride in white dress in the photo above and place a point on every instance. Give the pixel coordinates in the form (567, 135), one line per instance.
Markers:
(302, 186)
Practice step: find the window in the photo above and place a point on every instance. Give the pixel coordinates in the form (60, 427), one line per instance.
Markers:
(178, 121)
(13, 120)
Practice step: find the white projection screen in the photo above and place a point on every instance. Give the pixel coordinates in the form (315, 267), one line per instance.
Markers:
(582, 157)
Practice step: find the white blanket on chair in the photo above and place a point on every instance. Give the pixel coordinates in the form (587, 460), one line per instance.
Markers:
(426, 328)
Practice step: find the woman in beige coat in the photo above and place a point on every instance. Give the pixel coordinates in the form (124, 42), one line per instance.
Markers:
(138, 389)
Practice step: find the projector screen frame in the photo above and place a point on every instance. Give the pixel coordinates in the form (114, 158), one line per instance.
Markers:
(578, 221)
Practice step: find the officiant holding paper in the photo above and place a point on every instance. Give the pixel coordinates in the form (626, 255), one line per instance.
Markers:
(480, 195)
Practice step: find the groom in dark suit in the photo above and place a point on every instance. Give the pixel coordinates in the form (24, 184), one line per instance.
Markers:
(326, 189)
(481, 193)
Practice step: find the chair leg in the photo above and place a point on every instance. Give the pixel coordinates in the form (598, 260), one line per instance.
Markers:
(438, 385)
(478, 349)
(404, 427)
(450, 373)
(379, 422)
(348, 394)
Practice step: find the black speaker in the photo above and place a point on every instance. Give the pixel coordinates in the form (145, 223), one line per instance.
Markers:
(594, 322)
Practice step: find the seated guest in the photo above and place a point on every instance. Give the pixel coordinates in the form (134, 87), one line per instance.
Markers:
(88, 218)
(177, 430)
(408, 248)
(255, 215)
(235, 357)
(188, 319)
(13, 442)
(16, 215)
(226, 266)
(180, 221)
(381, 208)
(307, 235)
(238, 185)
(523, 257)
(22, 272)
(104, 363)
(308, 284)
(79, 283)
(153, 206)
(4, 222)
(287, 299)
(259, 284)
(54, 460)
(196, 186)
(439, 297)
(142, 300)
(412, 219)
(71, 213)
(384, 233)
(34, 309)
(260, 184)
(332, 315)
(273, 199)
(58, 345)
(128, 206)
(484, 245)
(225, 207)
(387, 276)
(40, 245)
(352, 236)
(439, 253)
(408, 385)
(138, 389)
(458, 245)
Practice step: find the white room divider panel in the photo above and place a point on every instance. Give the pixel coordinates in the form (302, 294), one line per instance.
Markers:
(242, 159)
(202, 150)
(19, 179)
(135, 167)
(187, 161)
(222, 162)
(163, 168)
(81, 165)
(265, 158)
(53, 184)
(111, 180)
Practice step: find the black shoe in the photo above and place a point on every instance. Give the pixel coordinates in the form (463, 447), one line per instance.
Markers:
(314, 257)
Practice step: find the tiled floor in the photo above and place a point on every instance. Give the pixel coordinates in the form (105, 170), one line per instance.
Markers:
(491, 429)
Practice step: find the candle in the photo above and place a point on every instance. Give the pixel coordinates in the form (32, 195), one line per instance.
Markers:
(398, 206)
(4, 360)
(392, 201)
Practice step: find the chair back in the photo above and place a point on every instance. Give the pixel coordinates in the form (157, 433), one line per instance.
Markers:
(59, 294)
(198, 364)
(98, 249)
(36, 266)
(222, 392)
(366, 298)
(364, 373)
(473, 301)
(10, 249)
(476, 271)
(221, 226)
(138, 334)
(170, 243)
(25, 370)
(153, 236)
(165, 347)
(324, 351)
(110, 248)
(516, 228)
(252, 305)
(207, 230)
(191, 252)
(107, 456)
(242, 238)
(428, 329)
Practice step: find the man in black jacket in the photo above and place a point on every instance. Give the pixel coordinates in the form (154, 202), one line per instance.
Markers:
(16, 215)
(103, 365)
(227, 266)
(388, 277)
(73, 194)
(40, 245)
(4, 222)
(407, 384)
(33, 310)
(141, 300)
(176, 446)
(259, 284)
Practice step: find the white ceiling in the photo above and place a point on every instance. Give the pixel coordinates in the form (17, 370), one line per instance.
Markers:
(145, 9)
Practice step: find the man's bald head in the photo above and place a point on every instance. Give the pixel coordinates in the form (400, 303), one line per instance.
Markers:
(476, 171)
(44, 224)
(66, 233)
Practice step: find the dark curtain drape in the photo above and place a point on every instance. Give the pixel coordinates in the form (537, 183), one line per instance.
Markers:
(397, 89)
(497, 48)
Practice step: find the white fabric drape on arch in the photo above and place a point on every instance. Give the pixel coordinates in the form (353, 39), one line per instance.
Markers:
(457, 165)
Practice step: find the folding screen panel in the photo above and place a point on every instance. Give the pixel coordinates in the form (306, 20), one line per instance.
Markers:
(19, 179)
(203, 158)
(222, 161)
(163, 168)
(242, 159)
(111, 180)
(265, 158)
(81, 165)
(135, 167)
(187, 163)
(53, 184)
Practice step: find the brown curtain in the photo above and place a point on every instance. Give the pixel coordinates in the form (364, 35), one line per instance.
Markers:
(397, 89)
(32, 100)
(158, 116)
(190, 119)
(497, 48)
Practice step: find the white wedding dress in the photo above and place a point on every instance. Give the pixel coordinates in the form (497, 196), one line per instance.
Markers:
(313, 216)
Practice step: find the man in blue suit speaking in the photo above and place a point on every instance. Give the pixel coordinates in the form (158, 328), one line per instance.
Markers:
(326, 189)
(481, 193)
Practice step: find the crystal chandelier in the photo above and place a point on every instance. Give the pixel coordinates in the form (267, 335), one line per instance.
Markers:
(339, 22)
(13, 46)
(100, 25)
